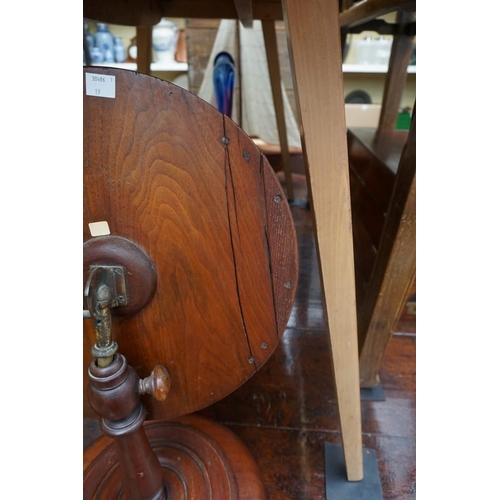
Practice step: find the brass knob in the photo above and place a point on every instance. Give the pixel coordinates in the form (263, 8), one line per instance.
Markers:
(157, 384)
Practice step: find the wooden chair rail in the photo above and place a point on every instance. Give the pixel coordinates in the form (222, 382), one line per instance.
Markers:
(367, 10)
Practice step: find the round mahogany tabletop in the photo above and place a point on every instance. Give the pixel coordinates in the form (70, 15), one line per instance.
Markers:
(186, 185)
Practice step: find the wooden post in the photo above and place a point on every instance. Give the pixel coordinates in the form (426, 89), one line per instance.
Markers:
(244, 9)
(395, 80)
(273, 64)
(144, 49)
(313, 34)
(114, 395)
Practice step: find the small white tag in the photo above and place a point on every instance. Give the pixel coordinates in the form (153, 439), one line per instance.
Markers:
(99, 228)
(100, 85)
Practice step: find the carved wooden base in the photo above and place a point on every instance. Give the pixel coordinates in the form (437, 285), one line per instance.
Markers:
(201, 460)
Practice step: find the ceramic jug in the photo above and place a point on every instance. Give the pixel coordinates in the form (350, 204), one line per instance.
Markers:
(103, 39)
(164, 40)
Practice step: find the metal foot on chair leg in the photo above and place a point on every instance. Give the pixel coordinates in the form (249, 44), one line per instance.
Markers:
(373, 393)
(337, 485)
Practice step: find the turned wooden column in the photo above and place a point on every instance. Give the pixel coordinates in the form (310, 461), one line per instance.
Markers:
(114, 394)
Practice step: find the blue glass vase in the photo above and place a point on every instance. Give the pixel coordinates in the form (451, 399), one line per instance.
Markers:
(223, 80)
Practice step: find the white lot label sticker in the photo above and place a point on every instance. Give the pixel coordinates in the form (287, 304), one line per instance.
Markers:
(100, 85)
(99, 228)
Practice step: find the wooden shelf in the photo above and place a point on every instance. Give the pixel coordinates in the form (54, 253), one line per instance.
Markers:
(156, 66)
(371, 68)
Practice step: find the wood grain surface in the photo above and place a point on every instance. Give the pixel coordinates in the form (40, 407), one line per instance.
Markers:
(272, 55)
(125, 12)
(394, 269)
(286, 412)
(312, 33)
(201, 460)
(373, 162)
(172, 174)
(222, 9)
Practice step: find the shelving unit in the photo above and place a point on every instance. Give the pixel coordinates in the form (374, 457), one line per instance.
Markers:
(156, 66)
(176, 66)
(374, 69)
(168, 69)
(371, 68)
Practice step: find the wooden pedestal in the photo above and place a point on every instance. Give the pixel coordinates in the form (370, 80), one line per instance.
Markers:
(200, 460)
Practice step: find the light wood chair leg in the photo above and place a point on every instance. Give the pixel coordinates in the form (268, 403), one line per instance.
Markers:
(394, 269)
(274, 73)
(313, 34)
